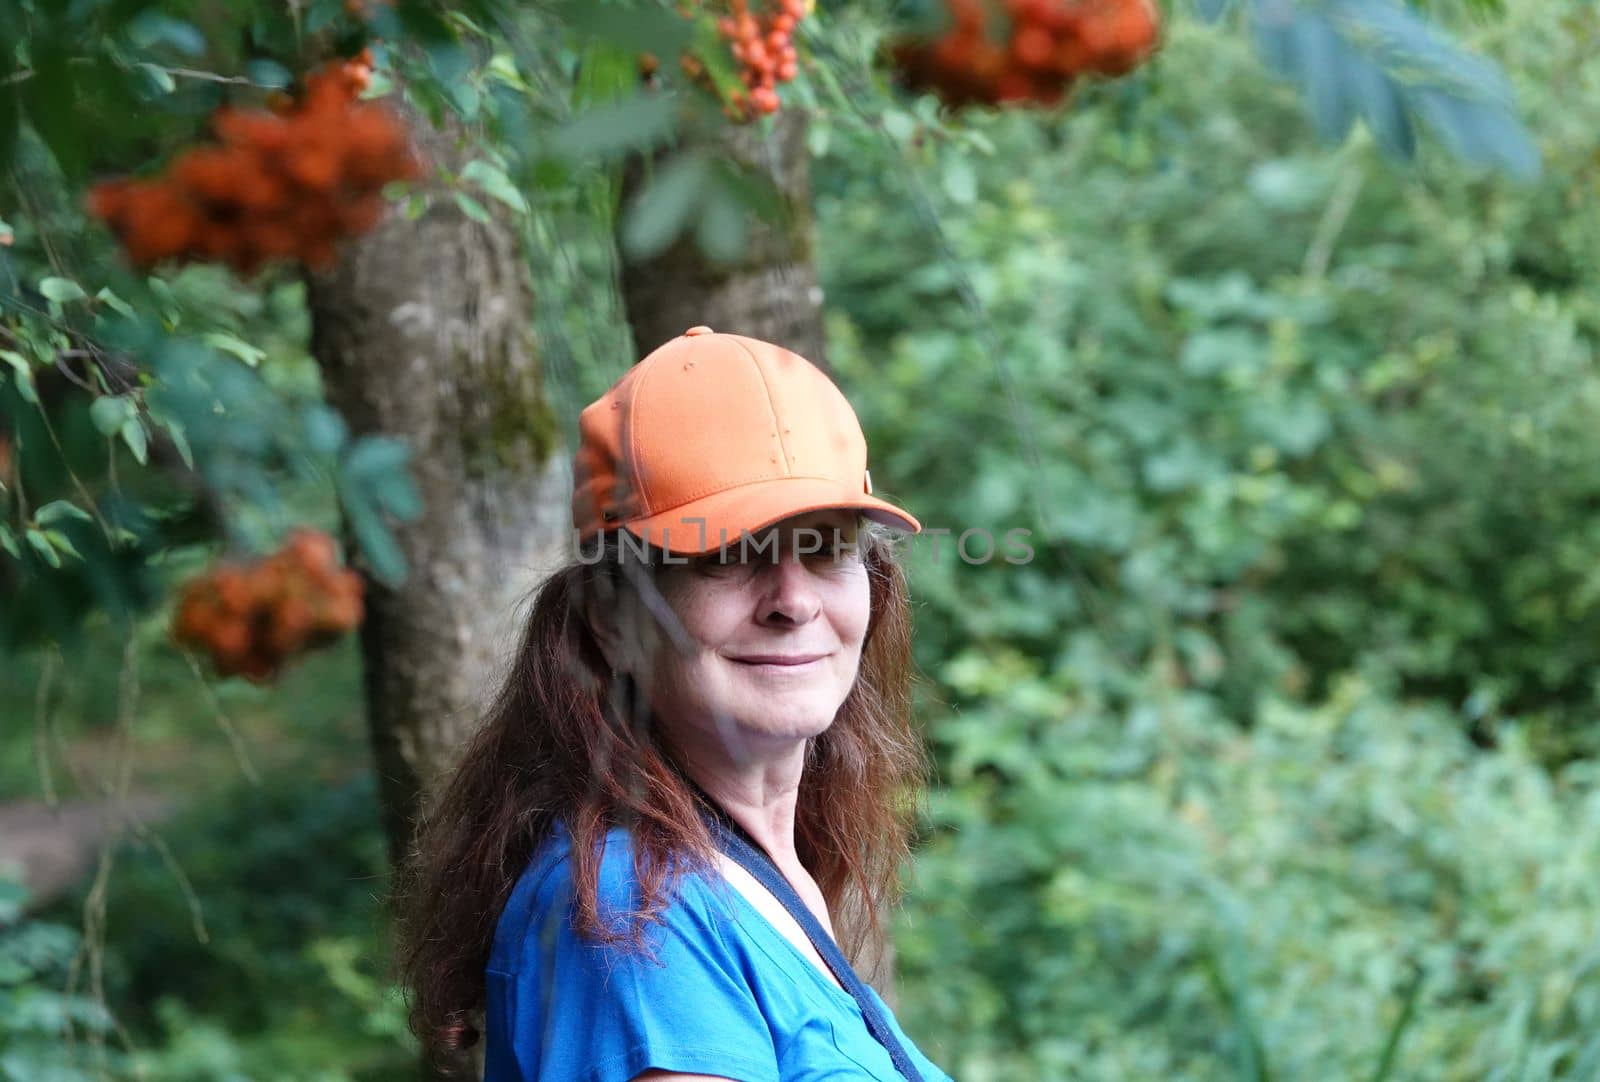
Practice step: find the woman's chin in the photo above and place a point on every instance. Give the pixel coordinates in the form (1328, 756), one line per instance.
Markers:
(797, 721)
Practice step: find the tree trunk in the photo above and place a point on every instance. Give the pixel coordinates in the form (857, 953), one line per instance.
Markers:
(772, 294)
(423, 332)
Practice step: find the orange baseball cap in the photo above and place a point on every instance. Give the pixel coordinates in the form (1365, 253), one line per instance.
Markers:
(714, 435)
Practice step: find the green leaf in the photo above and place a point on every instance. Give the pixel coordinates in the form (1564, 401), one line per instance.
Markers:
(641, 29)
(960, 182)
(160, 78)
(659, 213)
(151, 28)
(171, 310)
(1379, 61)
(712, 51)
(268, 72)
(978, 142)
(133, 435)
(241, 349)
(1408, 1006)
(62, 543)
(397, 494)
(899, 124)
(377, 543)
(616, 128)
(110, 413)
(372, 456)
(8, 541)
(41, 545)
(326, 432)
(56, 510)
(380, 466)
(466, 99)
(471, 207)
(61, 289)
(467, 23)
(24, 375)
(755, 189)
(374, 477)
(175, 429)
(606, 71)
(115, 303)
(724, 227)
(180, 440)
(502, 68)
(493, 180)
(450, 61)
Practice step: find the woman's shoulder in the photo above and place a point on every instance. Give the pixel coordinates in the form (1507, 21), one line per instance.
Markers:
(543, 899)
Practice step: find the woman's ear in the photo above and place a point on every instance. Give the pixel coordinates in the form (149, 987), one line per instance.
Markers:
(620, 622)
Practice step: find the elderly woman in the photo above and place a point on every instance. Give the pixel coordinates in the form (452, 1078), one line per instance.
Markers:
(692, 796)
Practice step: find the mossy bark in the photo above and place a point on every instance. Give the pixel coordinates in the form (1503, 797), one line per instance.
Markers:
(423, 331)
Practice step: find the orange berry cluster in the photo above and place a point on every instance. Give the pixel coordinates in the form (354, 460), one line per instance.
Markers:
(252, 618)
(1050, 43)
(284, 183)
(763, 44)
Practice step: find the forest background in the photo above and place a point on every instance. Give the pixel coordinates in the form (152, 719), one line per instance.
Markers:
(1277, 760)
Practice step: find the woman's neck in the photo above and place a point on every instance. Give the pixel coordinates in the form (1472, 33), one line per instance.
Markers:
(760, 795)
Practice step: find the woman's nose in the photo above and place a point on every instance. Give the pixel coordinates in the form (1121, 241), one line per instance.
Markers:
(788, 591)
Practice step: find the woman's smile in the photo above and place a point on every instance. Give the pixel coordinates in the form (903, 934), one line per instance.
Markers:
(780, 663)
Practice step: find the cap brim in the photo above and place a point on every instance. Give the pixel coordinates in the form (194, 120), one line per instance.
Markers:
(704, 525)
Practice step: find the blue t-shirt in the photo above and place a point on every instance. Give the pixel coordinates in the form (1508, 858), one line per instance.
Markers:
(725, 994)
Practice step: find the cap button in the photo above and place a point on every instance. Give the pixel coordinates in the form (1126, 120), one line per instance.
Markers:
(694, 331)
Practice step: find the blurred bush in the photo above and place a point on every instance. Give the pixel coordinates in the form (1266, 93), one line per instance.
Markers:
(1155, 893)
(1277, 410)
(38, 1012)
(268, 958)
(1277, 759)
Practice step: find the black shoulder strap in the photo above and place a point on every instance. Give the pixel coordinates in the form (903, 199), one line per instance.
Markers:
(733, 840)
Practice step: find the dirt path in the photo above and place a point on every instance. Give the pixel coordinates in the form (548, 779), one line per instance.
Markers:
(54, 847)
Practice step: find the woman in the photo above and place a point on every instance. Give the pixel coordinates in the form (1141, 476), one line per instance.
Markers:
(697, 782)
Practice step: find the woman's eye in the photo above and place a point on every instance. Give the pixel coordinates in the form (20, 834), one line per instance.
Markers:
(838, 554)
(719, 562)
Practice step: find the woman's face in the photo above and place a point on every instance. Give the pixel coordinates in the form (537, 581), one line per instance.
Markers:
(775, 635)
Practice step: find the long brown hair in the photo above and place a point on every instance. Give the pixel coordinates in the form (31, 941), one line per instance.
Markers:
(565, 738)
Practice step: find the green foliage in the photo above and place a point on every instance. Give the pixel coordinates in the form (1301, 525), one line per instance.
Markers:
(1268, 404)
(276, 868)
(1383, 62)
(269, 957)
(38, 1012)
(1145, 890)
(181, 367)
(1271, 762)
